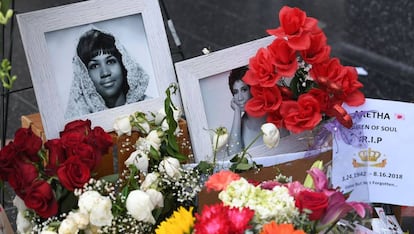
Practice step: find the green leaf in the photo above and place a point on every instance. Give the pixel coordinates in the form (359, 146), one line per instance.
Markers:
(111, 178)
(236, 158)
(205, 167)
(244, 166)
(154, 154)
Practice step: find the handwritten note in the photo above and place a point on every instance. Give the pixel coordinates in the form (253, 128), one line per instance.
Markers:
(383, 170)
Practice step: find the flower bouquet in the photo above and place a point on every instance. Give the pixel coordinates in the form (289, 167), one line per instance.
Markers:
(45, 176)
(295, 83)
(275, 205)
(58, 193)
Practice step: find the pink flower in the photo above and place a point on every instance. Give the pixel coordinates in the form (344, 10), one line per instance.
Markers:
(220, 180)
(319, 179)
(222, 219)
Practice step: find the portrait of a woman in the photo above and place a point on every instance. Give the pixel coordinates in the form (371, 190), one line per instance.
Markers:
(104, 76)
(244, 128)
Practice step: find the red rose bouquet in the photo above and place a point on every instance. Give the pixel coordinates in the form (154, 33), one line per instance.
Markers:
(295, 82)
(44, 176)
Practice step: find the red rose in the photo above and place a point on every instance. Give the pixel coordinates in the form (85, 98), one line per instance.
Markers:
(8, 155)
(325, 101)
(87, 155)
(80, 126)
(261, 70)
(71, 140)
(296, 27)
(301, 115)
(22, 177)
(27, 142)
(40, 198)
(284, 58)
(56, 156)
(350, 85)
(275, 118)
(100, 140)
(73, 173)
(342, 81)
(317, 202)
(318, 51)
(263, 100)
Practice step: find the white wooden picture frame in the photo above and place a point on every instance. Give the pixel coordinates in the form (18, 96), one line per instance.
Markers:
(50, 37)
(208, 74)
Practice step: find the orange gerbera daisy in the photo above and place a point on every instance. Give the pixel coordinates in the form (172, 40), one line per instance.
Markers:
(220, 180)
(274, 228)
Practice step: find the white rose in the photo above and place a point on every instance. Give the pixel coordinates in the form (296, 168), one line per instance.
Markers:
(101, 214)
(139, 159)
(139, 206)
(154, 139)
(88, 200)
(122, 125)
(81, 219)
(150, 181)
(23, 225)
(171, 166)
(91, 230)
(156, 197)
(68, 226)
(220, 138)
(271, 136)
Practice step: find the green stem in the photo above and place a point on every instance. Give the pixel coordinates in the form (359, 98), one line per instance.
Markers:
(251, 143)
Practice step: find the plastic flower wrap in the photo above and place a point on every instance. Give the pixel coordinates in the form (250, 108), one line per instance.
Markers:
(295, 82)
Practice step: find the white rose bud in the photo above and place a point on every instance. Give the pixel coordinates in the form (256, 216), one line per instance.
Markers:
(150, 181)
(68, 226)
(154, 139)
(81, 219)
(139, 159)
(122, 125)
(271, 136)
(156, 197)
(171, 166)
(101, 214)
(139, 206)
(23, 225)
(220, 138)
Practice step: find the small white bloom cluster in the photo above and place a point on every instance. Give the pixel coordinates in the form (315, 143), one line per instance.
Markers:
(268, 205)
(185, 187)
(126, 224)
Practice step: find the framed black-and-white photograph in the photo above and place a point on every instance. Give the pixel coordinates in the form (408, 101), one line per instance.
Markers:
(97, 60)
(210, 84)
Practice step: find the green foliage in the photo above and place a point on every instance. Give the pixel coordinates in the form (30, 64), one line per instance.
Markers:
(6, 78)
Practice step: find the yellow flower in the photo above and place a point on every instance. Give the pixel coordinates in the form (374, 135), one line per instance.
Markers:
(180, 222)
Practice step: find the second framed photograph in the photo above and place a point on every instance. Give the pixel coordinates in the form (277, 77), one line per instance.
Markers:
(213, 95)
(97, 60)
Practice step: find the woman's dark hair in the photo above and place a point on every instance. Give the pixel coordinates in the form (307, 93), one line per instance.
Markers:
(94, 42)
(235, 75)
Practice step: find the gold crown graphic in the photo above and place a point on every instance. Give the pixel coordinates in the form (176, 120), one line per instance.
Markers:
(369, 155)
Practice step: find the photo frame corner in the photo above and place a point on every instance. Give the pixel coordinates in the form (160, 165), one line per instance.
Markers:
(35, 25)
(189, 74)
